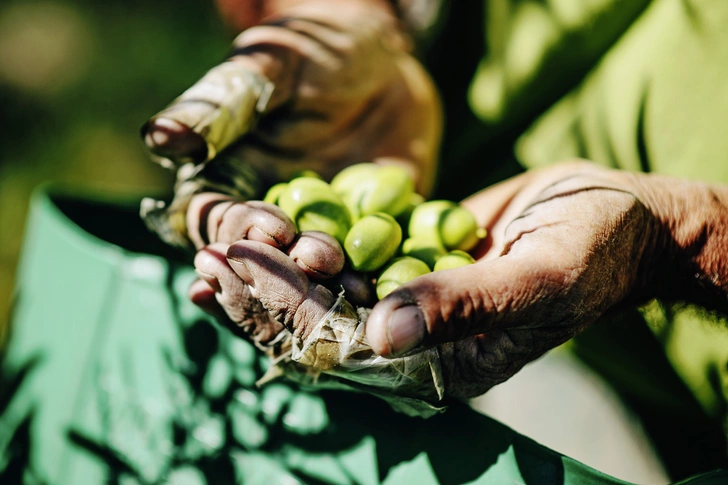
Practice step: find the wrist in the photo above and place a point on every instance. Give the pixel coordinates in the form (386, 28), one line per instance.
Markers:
(688, 246)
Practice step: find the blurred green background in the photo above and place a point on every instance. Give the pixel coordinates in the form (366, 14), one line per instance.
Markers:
(78, 78)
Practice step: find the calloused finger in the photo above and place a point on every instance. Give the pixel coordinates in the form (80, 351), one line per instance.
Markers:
(210, 115)
(203, 295)
(280, 285)
(318, 254)
(215, 218)
(246, 314)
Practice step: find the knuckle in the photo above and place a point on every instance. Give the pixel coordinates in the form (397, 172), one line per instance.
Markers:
(199, 214)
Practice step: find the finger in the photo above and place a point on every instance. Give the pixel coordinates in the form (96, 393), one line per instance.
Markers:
(450, 305)
(203, 295)
(232, 294)
(218, 218)
(280, 285)
(214, 112)
(170, 139)
(256, 221)
(318, 254)
(198, 216)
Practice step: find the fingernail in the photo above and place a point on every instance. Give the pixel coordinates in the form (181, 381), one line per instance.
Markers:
(257, 234)
(236, 259)
(172, 139)
(405, 329)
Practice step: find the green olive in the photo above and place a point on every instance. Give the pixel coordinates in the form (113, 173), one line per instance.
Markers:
(453, 259)
(313, 206)
(275, 192)
(389, 192)
(454, 226)
(459, 229)
(306, 173)
(368, 188)
(426, 250)
(425, 220)
(372, 241)
(350, 177)
(399, 272)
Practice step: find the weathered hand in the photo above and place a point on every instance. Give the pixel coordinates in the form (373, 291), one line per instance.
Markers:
(346, 90)
(567, 245)
(214, 222)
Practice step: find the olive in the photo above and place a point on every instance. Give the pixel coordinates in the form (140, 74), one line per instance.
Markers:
(350, 177)
(459, 229)
(389, 191)
(358, 287)
(372, 241)
(454, 226)
(425, 220)
(313, 206)
(427, 250)
(454, 259)
(370, 188)
(275, 192)
(399, 272)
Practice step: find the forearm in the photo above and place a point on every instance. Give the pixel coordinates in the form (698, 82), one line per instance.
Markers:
(415, 17)
(242, 14)
(690, 252)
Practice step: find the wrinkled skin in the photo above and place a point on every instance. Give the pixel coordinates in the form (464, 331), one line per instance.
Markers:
(567, 244)
(346, 91)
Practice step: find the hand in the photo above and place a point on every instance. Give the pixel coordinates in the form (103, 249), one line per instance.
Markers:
(346, 91)
(567, 245)
(215, 221)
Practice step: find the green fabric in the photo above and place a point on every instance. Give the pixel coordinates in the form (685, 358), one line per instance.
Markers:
(653, 98)
(537, 51)
(133, 384)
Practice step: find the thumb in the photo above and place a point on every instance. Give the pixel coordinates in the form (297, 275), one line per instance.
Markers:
(450, 305)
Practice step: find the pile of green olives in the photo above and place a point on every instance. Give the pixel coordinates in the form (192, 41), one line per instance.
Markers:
(388, 232)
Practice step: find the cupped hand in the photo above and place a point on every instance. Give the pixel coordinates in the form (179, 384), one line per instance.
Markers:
(215, 221)
(345, 90)
(567, 245)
